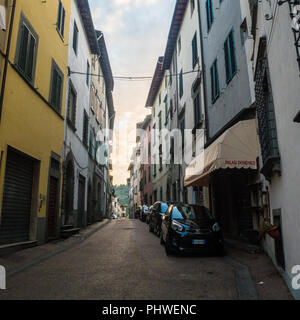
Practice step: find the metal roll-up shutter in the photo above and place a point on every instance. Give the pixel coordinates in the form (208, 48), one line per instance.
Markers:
(15, 219)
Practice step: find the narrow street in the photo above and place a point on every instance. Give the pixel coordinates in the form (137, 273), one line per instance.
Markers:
(123, 261)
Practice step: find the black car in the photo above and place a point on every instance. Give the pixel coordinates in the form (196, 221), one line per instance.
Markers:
(158, 211)
(190, 228)
(148, 216)
(144, 213)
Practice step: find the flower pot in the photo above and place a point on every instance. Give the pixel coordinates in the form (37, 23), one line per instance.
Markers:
(274, 233)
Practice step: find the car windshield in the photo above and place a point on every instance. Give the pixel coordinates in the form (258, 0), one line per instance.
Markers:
(164, 208)
(190, 213)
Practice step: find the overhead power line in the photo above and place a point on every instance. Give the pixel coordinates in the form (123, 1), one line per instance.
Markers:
(131, 78)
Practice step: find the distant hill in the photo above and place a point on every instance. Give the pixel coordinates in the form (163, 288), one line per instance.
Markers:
(121, 193)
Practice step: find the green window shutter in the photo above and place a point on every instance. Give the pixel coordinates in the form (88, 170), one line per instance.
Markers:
(59, 14)
(54, 88)
(30, 57)
(63, 22)
(232, 52)
(23, 48)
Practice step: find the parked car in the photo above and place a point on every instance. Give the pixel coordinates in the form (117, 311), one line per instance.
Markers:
(137, 212)
(144, 213)
(149, 213)
(190, 228)
(158, 211)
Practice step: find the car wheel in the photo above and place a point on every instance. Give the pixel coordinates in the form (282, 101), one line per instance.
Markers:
(220, 251)
(158, 232)
(168, 246)
(161, 239)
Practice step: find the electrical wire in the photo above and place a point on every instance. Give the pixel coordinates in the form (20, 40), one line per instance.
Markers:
(129, 78)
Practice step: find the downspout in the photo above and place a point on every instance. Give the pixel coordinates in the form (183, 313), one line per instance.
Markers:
(7, 56)
(210, 188)
(204, 74)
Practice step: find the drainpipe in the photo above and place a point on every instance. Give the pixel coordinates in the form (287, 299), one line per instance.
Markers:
(204, 74)
(7, 56)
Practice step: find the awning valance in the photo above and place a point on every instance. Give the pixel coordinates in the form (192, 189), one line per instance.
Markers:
(236, 148)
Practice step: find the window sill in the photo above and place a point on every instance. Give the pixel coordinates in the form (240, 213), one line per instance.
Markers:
(231, 78)
(31, 85)
(215, 99)
(60, 35)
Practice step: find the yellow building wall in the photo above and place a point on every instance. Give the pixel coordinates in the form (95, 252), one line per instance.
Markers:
(28, 123)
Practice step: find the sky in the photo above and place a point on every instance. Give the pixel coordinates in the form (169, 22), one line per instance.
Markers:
(136, 33)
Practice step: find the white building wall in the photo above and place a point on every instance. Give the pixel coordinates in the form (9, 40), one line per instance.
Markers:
(284, 73)
(190, 26)
(239, 93)
(78, 63)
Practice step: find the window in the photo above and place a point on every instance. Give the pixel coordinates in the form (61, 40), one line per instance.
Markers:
(56, 87)
(209, 13)
(195, 50)
(160, 158)
(149, 174)
(98, 110)
(197, 110)
(88, 68)
(181, 84)
(93, 98)
(26, 50)
(179, 44)
(85, 128)
(71, 116)
(182, 129)
(230, 58)
(171, 109)
(166, 108)
(244, 31)
(159, 98)
(215, 87)
(92, 146)
(160, 122)
(75, 38)
(192, 6)
(60, 25)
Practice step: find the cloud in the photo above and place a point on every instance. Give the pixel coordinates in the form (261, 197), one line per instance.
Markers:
(136, 33)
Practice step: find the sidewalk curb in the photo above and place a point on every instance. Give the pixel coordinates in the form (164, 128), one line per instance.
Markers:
(47, 256)
(244, 282)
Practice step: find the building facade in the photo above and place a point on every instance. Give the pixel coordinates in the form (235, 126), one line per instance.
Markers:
(277, 99)
(33, 108)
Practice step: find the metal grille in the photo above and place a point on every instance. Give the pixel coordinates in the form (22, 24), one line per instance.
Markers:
(15, 219)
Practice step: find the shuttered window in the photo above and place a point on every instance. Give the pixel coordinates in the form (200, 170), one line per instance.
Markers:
(209, 13)
(26, 50)
(72, 99)
(197, 109)
(61, 14)
(230, 58)
(56, 87)
(215, 86)
(75, 37)
(195, 50)
(85, 130)
(181, 84)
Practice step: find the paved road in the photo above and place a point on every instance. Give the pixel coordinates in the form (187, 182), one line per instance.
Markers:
(124, 261)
